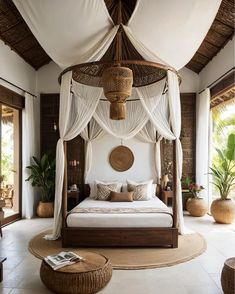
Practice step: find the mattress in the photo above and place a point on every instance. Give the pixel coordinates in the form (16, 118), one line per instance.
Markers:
(121, 220)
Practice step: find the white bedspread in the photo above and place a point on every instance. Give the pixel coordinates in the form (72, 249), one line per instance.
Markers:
(121, 220)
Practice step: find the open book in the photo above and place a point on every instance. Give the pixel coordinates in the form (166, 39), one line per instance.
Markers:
(62, 259)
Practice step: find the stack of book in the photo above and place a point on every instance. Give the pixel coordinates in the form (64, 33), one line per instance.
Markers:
(62, 259)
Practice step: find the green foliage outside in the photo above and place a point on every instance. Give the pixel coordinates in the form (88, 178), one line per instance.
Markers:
(223, 126)
(223, 171)
(6, 168)
(7, 154)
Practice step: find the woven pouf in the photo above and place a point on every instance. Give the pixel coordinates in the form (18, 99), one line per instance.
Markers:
(84, 277)
(228, 276)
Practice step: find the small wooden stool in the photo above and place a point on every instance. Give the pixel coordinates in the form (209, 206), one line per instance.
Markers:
(228, 276)
(84, 277)
(2, 259)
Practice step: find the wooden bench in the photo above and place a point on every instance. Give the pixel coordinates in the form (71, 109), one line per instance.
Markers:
(2, 259)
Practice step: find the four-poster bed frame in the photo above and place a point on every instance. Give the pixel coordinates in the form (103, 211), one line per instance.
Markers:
(118, 237)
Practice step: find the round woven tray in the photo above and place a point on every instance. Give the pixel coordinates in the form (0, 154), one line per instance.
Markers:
(85, 277)
(121, 158)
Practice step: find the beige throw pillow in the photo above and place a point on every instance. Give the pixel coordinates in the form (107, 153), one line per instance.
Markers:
(103, 191)
(121, 197)
(149, 190)
(140, 192)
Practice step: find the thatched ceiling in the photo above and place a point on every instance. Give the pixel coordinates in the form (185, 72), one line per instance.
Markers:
(15, 33)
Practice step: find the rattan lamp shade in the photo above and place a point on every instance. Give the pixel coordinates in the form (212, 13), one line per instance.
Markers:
(117, 84)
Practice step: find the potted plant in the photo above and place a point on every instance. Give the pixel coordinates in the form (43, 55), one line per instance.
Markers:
(196, 205)
(223, 172)
(43, 176)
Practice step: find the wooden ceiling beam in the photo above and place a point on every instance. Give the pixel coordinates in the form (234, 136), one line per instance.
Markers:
(21, 40)
(216, 46)
(225, 24)
(30, 48)
(11, 27)
(197, 61)
(218, 32)
(203, 55)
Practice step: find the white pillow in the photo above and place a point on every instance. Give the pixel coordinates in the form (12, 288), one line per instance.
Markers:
(154, 187)
(93, 187)
(149, 190)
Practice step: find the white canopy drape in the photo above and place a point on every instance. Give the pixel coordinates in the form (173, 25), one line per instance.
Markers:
(166, 31)
(91, 133)
(149, 135)
(123, 129)
(75, 113)
(173, 30)
(86, 27)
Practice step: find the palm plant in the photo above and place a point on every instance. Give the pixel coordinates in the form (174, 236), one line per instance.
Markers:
(43, 176)
(223, 171)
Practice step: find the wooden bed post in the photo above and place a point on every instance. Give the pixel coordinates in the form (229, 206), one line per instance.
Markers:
(65, 188)
(175, 216)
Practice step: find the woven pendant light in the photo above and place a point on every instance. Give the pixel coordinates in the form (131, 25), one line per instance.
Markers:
(117, 84)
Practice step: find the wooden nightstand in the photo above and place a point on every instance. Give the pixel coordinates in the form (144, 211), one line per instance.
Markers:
(166, 195)
(73, 199)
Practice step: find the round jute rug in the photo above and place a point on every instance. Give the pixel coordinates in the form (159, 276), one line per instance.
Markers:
(190, 246)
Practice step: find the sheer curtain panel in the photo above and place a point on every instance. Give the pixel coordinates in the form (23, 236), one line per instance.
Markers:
(125, 129)
(76, 110)
(149, 135)
(29, 147)
(202, 141)
(91, 133)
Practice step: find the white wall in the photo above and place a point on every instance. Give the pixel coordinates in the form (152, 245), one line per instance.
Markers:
(14, 69)
(219, 65)
(47, 78)
(142, 169)
(190, 81)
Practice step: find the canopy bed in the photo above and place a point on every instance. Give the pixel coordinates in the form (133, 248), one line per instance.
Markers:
(133, 63)
(104, 223)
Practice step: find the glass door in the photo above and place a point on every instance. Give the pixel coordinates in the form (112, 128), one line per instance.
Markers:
(10, 173)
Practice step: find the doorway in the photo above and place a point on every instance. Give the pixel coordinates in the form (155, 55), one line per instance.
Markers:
(10, 161)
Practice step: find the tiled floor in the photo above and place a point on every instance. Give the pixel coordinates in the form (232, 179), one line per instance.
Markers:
(198, 276)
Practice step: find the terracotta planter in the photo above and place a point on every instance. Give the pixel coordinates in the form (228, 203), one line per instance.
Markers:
(196, 206)
(45, 209)
(223, 211)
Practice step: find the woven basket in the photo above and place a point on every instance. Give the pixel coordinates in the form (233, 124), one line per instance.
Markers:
(72, 280)
(228, 276)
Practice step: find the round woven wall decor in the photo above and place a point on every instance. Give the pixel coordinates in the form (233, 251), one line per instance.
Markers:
(121, 158)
